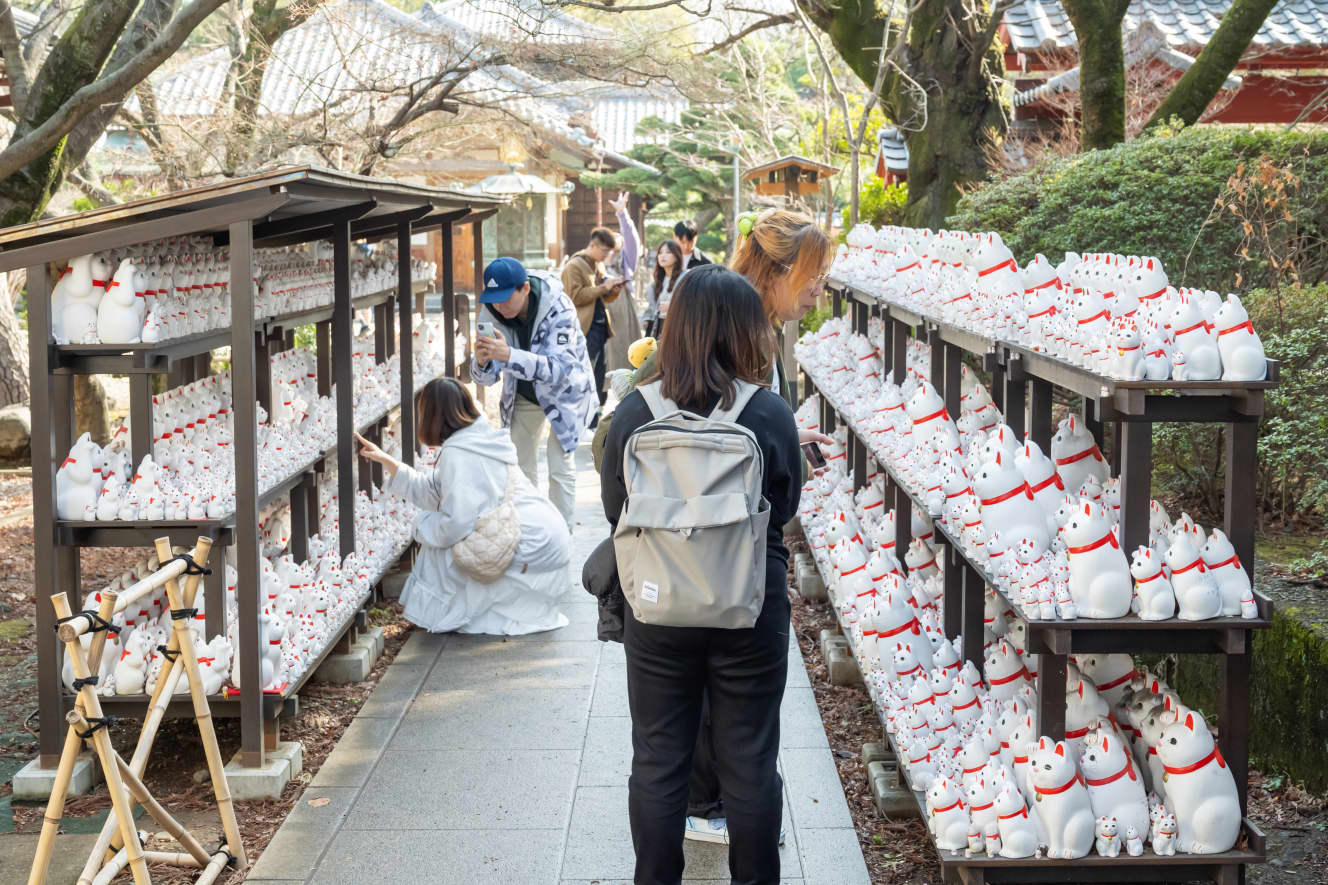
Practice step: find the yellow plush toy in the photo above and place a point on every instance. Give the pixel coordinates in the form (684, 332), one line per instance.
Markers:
(640, 351)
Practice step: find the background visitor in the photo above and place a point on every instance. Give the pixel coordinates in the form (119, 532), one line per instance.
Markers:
(664, 276)
(540, 354)
(684, 234)
(591, 291)
(624, 318)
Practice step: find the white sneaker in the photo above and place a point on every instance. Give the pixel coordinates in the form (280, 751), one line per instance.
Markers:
(700, 829)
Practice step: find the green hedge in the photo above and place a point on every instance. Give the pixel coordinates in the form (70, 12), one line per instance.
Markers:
(1288, 698)
(1152, 196)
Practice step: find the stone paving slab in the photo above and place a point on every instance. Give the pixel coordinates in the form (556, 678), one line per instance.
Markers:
(440, 857)
(467, 789)
(481, 719)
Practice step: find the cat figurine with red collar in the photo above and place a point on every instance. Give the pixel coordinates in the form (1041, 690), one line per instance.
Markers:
(1108, 842)
(1115, 788)
(947, 817)
(1195, 342)
(1198, 597)
(1019, 835)
(1099, 573)
(1164, 838)
(1043, 481)
(1062, 800)
(1224, 566)
(1076, 454)
(1111, 674)
(1201, 790)
(1134, 843)
(1008, 504)
(1154, 597)
(1004, 671)
(896, 622)
(1127, 352)
(1243, 357)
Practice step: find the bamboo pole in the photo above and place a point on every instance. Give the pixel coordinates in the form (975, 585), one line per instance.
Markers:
(80, 625)
(203, 716)
(116, 864)
(153, 807)
(55, 806)
(101, 742)
(107, 844)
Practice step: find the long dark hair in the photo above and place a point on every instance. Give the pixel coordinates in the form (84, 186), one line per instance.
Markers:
(717, 333)
(442, 407)
(659, 268)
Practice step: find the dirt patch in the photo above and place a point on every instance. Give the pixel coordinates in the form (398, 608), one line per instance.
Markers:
(18, 619)
(15, 492)
(898, 852)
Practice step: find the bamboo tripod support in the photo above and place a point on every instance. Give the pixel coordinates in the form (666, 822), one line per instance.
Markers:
(118, 846)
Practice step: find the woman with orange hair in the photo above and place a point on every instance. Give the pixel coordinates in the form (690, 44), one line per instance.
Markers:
(785, 256)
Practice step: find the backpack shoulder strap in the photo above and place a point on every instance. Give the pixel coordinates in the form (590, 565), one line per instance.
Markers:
(655, 401)
(746, 390)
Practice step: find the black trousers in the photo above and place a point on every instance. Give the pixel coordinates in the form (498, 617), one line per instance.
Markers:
(597, 336)
(668, 671)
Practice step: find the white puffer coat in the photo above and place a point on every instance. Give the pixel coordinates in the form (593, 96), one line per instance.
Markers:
(467, 482)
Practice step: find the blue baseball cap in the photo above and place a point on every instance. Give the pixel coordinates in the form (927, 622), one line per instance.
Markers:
(501, 279)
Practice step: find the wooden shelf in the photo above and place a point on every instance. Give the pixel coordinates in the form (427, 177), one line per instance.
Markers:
(1130, 634)
(1128, 397)
(158, 357)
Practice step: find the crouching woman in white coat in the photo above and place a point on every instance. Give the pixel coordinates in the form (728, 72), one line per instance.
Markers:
(470, 479)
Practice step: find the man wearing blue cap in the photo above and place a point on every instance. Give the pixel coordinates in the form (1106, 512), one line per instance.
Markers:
(539, 351)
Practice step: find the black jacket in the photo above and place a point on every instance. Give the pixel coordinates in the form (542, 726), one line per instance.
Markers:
(600, 578)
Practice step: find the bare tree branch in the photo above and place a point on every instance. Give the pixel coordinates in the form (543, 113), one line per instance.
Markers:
(644, 7)
(86, 181)
(773, 21)
(988, 35)
(111, 87)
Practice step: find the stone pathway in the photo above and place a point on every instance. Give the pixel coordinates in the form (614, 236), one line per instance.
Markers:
(488, 760)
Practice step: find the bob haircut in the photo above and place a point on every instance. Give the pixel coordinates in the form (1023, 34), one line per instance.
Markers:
(442, 407)
(784, 253)
(717, 333)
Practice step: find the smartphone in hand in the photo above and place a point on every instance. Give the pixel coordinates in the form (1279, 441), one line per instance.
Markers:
(814, 455)
(485, 330)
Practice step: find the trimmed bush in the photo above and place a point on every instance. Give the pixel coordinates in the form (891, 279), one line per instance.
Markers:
(1156, 196)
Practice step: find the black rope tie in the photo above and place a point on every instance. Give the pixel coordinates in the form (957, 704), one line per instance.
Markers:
(86, 680)
(221, 849)
(170, 654)
(97, 723)
(191, 567)
(98, 622)
(183, 614)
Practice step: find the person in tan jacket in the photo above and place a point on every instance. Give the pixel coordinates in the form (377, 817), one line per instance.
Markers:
(584, 282)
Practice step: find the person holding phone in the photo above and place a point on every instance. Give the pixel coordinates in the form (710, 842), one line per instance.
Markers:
(538, 350)
(585, 282)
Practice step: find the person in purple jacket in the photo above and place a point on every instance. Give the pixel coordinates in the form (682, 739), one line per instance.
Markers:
(623, 313)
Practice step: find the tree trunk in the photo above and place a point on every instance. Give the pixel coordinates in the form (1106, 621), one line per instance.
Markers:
(14, 383)
(1097, 26)
(91, 414)
(1190, 97)
(266, 24)
(959, 120)
(76, 60)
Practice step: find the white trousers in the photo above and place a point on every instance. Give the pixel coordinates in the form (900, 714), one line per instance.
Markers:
(528, 425)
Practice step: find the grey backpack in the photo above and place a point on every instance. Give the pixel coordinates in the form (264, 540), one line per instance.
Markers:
(691, 539)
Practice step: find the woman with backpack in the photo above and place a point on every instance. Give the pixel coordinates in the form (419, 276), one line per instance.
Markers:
(476, 575)
(700, 617)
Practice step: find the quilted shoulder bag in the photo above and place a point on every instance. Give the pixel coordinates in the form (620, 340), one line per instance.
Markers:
(487, 551)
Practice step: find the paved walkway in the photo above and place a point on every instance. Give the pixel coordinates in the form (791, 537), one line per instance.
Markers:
(487, 760)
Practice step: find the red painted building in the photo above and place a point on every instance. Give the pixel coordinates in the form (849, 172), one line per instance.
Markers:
(1279, 78)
